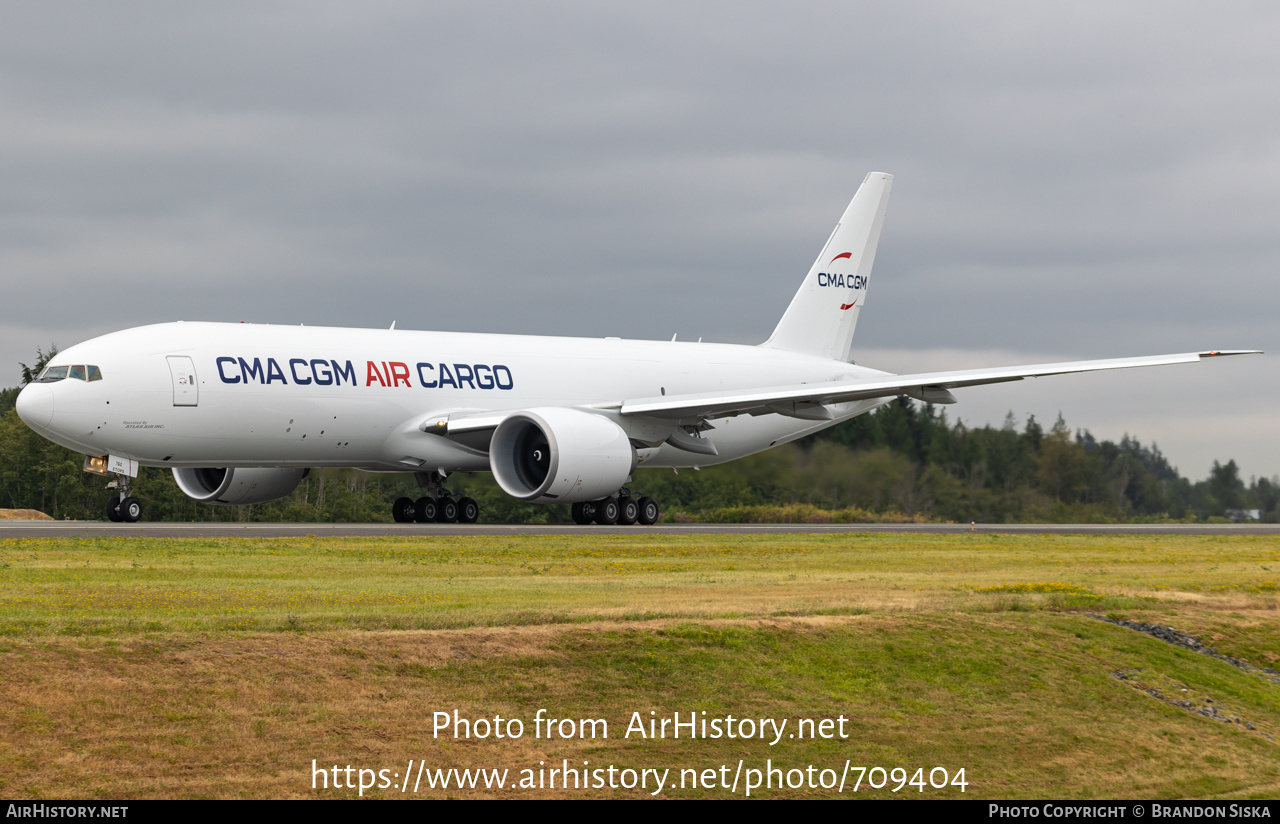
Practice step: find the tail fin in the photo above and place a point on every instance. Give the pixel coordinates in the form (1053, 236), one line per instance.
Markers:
(822, 315)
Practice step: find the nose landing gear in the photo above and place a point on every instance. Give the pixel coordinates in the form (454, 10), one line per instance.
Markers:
(122, 506)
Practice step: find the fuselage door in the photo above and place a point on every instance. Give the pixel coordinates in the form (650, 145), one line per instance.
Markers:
(185, 390)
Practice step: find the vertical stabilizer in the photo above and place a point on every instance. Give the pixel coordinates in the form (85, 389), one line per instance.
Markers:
(822, 315)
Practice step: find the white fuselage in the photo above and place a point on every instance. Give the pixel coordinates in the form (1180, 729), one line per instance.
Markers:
(304, 396)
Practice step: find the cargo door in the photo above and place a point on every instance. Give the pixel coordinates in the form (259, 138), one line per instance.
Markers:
(185, 390)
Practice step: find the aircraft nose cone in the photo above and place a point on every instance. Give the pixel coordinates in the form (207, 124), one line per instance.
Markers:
(35, 405)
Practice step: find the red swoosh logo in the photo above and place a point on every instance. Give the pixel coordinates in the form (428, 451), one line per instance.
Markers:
(847, 256)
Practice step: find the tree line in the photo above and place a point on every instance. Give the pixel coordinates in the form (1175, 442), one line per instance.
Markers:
(903, 459)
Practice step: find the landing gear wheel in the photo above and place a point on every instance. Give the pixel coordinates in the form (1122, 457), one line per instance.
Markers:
(607, 511)
(649, 511)
(468, 510)
(584, 512)
(402, 510)
(130, 509)
(628, 510)
(425, 510)
(113, 509)
(448, 511)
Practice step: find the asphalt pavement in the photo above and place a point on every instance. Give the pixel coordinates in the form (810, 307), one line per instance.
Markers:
(97, 529)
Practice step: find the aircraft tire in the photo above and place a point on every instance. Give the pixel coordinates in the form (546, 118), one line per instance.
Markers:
(131, 510)
(649, 511)
(424, 510)
(113, 509)
(583, 512)
(628, 510)
(468, 510)
(402, 510)
(607, 511)
(448, 511)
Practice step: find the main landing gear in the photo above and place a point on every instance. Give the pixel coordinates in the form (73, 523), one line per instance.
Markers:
(619, 509)
(431, 510)
(438, 506)
(122, 506)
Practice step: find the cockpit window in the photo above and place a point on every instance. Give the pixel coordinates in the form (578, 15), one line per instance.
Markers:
(79, 372)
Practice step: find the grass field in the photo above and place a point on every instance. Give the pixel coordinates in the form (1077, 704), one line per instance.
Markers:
(221, 668)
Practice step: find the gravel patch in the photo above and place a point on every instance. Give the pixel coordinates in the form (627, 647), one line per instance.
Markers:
(1204, 706)
(1181, 639)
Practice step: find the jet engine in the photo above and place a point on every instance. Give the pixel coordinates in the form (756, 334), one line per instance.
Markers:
(228, 487)
(555, 455)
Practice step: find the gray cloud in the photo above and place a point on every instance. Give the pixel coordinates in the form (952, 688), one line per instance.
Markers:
(1088, 180)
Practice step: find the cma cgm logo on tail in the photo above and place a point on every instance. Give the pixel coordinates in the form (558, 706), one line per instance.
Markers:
(843, 281)
(322, 372)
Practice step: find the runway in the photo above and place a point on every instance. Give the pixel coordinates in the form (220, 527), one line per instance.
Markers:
(102, 529)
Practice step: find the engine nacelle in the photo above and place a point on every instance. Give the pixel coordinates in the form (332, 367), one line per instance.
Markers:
(229, 487)
(554, 456)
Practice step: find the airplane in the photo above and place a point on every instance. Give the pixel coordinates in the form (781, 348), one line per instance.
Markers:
(240, 413)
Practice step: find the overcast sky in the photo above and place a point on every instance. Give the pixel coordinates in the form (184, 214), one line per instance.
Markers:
(1072, 180)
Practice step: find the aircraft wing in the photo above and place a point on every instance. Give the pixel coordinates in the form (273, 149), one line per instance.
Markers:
(806, 400)
(458, 421)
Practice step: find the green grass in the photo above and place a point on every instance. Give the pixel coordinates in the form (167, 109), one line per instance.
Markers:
(127, 586)
(220, 668)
